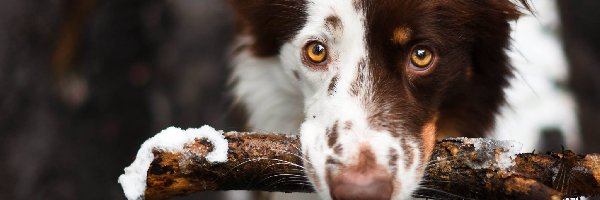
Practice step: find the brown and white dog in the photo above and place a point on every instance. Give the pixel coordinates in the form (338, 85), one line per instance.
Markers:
(370, 84)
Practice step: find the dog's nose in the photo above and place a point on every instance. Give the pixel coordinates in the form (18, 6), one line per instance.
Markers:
(359, 186)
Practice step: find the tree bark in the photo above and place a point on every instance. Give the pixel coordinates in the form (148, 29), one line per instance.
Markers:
(458, 170)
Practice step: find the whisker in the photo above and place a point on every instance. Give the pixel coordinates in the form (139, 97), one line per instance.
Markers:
(426, 197)
(245, 162)
(290, 176)
(283, 162)
(449, 195)
(288, 162)
(435, 181)
(293, 154)
(250, 160)
(288, 181)
(292, 169)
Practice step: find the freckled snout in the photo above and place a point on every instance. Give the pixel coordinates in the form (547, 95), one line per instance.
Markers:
(355, 185)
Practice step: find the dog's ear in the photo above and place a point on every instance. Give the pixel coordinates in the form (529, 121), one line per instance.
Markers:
(492, 39)
(489, 28)
(269, 22)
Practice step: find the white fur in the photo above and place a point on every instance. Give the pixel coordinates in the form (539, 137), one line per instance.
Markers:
(273, 102)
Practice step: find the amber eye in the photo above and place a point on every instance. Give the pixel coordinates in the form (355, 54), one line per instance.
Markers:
(421, 57)
(315, 52)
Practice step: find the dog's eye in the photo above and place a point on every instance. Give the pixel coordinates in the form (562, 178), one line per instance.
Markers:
(421, 57)
(315, 52)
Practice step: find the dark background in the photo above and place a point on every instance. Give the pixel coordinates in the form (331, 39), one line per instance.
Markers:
(83, 83)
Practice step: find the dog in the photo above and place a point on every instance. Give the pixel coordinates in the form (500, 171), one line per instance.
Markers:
(370, 84)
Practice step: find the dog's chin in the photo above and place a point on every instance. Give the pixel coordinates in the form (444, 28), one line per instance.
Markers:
(397, 194)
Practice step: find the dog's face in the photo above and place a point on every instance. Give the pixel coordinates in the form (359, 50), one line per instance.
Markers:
(380, 78)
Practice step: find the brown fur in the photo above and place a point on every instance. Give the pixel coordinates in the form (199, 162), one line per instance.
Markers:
(428, 134)
(268, 21)
(402, 35)
(334, 25)
(393, 161)
(464, 34)
(332, 85)
(332, 135)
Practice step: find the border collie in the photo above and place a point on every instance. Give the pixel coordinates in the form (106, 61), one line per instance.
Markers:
(370, 84)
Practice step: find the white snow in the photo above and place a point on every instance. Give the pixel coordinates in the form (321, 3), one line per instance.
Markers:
(502, 159)
(171, 139)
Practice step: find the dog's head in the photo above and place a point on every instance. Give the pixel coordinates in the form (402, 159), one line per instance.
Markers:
(380, 78)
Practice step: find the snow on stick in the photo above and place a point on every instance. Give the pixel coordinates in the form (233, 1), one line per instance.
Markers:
(460, 168)
(170, 140)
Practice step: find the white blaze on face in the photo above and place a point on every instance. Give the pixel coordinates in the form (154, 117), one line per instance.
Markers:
(326, 108)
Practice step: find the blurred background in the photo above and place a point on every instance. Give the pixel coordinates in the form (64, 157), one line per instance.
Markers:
(84, 82)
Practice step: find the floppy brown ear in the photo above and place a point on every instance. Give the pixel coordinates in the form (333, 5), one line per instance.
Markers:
(491, 67)
(269, 22)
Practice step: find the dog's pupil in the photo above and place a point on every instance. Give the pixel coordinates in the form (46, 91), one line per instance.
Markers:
(421, 54)
(318, 49)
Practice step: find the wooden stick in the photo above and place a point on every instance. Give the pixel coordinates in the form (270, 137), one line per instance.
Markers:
(460, 168)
